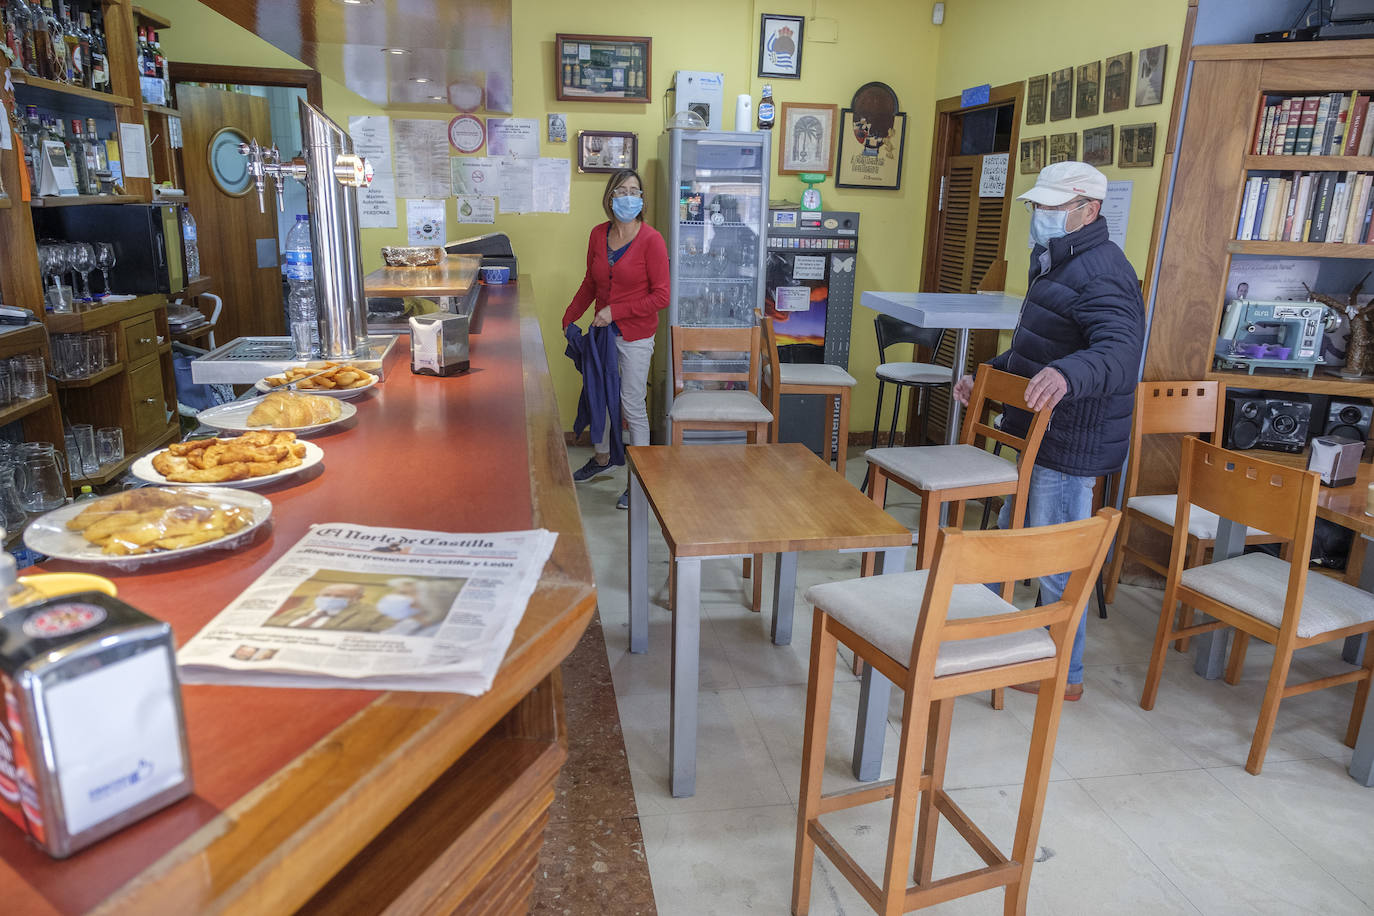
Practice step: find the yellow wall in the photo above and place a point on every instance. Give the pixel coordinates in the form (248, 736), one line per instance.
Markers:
(982, 41)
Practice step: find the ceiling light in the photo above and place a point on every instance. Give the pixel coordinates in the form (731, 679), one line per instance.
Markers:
(436, 98)
(395, 50)
(420, 79)
(356, 2)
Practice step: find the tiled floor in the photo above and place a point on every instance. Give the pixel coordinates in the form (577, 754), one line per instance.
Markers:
(1147, 812)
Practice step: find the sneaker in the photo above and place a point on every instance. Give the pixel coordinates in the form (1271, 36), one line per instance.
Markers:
(624, 501)
(1072, 692)
(591, 469)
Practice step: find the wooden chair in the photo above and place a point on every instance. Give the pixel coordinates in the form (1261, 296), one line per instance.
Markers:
(1260, 595)
(831, 382)
(942, 474)
(962, 639)
(738, 410)
(1170, 408)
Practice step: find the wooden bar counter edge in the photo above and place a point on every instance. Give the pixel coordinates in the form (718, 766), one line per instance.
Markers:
(421, 802)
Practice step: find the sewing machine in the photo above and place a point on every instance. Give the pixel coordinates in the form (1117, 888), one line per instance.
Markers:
(1276, 335)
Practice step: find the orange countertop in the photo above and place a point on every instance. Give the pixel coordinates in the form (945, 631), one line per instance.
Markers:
(291, 783)
(454, 275)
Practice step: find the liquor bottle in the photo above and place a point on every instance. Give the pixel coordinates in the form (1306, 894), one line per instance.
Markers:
(58, 46)
(32, 136)
(100, 68)
(161, 68)
(23, 24)
(766, 112)
(83, 33)
(102, 159)
(142, 50)
(76, 152)
(76, 61)
(42, 43)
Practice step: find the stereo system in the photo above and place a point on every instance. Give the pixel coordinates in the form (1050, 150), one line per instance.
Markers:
(1276, 423)
(1347, 418)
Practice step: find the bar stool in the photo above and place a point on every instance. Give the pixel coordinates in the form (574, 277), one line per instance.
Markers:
(807, 378)
(961, 639)
(920, 377)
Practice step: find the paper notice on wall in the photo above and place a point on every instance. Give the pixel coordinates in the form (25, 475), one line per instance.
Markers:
(474, 209)
(517, 137)
(422, 158)
(792, 298)
(808, 267)
(993, 182)
(425, 222)
(552, 185)
(133, 141)
(1116, 210)
(517, 185)
(478, 176)
(377, 202)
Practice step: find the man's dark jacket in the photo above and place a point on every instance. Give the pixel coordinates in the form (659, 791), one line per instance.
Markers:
(1083, 315)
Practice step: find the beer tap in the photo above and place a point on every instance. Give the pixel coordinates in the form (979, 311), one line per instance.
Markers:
(350, 170)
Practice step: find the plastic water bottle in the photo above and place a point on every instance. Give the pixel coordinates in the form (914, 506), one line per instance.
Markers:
(301, 312)
(188, 239)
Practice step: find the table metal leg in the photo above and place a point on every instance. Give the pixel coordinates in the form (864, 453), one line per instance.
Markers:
(784, 597)
(955, 408)
(1209, 654)
(874, 693)
(1362, 762)
(1355, 645)
(682, 737)
(639, 567)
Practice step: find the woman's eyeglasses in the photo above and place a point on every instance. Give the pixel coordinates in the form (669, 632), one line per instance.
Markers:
(627, 192)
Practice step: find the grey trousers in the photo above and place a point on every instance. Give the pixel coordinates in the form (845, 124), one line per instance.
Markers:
(633, 358)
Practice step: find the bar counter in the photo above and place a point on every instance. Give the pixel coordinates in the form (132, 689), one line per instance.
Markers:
(332, 800)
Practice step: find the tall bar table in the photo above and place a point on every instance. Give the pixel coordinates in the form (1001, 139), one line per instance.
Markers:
(963, 312)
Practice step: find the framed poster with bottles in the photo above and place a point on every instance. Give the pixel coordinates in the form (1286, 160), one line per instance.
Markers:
(602, 68)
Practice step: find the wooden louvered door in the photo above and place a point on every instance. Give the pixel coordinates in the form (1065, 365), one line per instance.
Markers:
(965, 232)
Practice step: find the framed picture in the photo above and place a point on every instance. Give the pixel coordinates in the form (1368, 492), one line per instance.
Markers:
(1097, 145)
(1037, 88)
(1137, 146)
(1116, 83)
(807, 138)
(1063, 147)
(780, 46)
(870, 151)
(602, 68)
(1149, 77)
(606, 150)
(1089, 79)
(1032, 155)
(1061, 94)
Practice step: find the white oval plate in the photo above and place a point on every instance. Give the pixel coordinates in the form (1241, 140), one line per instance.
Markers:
(143, 470)
(344, 393)
(48, 534)
(234, 416)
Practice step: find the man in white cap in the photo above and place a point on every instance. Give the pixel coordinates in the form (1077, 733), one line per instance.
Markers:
(1079, 341)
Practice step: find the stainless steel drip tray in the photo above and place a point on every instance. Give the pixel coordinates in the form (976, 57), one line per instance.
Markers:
(244, 360)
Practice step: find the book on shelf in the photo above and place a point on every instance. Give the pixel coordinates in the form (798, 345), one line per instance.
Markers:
(1358, 109)
(1332, 207)
(1307, 123)
(1333, 124)
(1260, 204)
(1321, 207)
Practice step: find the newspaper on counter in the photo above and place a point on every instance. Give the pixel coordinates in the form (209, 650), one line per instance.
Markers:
(350, 606)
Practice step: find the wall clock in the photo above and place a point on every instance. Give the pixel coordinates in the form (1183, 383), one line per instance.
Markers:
(228, 168)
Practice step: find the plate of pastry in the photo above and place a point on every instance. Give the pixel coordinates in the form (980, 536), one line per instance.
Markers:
(302, 414)
(149, 523)
(333, 380)
(253, 459)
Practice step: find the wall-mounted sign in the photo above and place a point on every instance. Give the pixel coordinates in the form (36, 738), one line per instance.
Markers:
(466, 133)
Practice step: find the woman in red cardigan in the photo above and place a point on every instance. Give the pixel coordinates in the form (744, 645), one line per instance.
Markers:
(627, 277)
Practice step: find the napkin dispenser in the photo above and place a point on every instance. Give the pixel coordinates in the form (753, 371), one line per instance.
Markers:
(1336, 459)
(93, 737)
(439, 344)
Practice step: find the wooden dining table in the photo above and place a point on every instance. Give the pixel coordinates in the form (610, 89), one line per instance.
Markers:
(1344, 506)
(717, 501)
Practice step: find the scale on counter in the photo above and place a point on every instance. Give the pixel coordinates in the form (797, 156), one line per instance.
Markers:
(247, 359)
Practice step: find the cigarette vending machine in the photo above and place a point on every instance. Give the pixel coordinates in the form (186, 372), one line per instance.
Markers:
(809, 294)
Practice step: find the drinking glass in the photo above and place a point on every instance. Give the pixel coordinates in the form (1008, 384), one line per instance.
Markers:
(6, 385)
(105, 259)
(29, 380)
(83, 262)
(11, 506)
(41, 489)
(84, 456)
(109, 445)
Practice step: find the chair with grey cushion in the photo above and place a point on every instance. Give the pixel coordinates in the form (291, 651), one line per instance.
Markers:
(1261, 596)
(831, 382)
(938, 634)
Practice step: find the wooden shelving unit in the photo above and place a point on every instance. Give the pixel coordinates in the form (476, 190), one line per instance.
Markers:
(85, 200)
(152, 18)
(1303, 249)
(103, 315)
(161, 109)
(21, 409)
(197, 286)
(1277, 380)
(91, 380)
(24, 78)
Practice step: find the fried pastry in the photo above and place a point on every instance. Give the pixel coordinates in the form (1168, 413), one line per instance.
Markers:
(151, 519)
(254, 454)
(330, 377)
(286, 409)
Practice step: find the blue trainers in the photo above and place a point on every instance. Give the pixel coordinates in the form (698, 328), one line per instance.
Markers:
(590, 470)
(624, 501)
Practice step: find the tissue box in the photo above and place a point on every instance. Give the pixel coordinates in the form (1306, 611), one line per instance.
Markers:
(1336, 459)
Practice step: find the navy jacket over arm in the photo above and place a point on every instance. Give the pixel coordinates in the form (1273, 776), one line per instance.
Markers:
(1084, 316)
(594, 355)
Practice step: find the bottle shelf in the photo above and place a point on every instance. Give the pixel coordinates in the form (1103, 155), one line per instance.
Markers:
(1303, 249)
(161, 109)
(21, 409)
(152, 18)
(34, 83)
(82, 200)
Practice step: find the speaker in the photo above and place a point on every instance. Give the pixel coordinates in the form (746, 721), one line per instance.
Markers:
(1350, 419)
(1255, 421)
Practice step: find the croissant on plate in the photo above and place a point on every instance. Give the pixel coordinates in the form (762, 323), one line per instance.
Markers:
(284, 410)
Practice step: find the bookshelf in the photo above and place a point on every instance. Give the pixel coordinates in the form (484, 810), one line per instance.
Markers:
(1216, 158)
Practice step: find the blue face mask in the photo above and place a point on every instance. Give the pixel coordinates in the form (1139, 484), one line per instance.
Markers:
(626, 208)
(1047, 225)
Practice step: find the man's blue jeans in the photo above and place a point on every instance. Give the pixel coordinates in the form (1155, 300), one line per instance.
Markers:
(1055, 498)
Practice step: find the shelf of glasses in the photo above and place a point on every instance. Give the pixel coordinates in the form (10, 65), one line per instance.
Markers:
(23, 78)
(101, 315)
(90, 380)
(20, 409)
(83, 200)
(693, 223)
(731, 280)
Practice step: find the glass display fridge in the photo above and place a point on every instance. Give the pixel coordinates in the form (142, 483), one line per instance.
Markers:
(712, 211)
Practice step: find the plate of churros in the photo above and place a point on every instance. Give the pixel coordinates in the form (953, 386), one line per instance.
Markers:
(333, 380)
(254, 459)
(149, 523)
